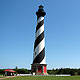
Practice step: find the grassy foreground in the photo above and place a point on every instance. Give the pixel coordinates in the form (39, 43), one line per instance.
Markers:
(1, 76)
(45, 78)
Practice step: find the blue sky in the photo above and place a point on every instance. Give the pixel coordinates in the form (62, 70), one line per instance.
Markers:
(62, 33)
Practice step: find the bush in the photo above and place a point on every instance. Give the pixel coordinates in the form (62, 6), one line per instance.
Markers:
(22, 71)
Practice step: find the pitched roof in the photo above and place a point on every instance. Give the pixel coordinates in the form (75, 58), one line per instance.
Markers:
(9, 70)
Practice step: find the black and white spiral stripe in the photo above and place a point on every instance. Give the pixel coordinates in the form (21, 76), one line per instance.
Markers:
(39, 46)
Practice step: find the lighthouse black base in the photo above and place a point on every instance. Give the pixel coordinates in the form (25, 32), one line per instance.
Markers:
(39, 69)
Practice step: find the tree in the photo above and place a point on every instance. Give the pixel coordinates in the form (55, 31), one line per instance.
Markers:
(72, 72)
(1, 71)
(66, 71)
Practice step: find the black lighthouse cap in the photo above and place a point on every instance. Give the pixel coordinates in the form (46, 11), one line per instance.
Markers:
(40, 11)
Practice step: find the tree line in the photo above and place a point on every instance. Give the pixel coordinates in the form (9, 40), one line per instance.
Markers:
(18, 71)
(64, 71)
(51, 72)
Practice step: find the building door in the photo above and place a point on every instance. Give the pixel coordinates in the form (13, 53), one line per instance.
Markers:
(40, 69)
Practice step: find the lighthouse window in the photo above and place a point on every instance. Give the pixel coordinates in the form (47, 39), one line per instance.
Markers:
(35, 53)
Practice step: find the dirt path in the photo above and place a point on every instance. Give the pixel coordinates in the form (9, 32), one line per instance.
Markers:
(8, 77)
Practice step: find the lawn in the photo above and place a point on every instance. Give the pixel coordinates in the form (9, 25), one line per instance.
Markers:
(45, 78)
(1, 76)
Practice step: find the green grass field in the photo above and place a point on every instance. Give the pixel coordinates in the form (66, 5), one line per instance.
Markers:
(1, 76)
(45, 78)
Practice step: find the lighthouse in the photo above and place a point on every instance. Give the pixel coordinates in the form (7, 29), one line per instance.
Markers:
(39, 66)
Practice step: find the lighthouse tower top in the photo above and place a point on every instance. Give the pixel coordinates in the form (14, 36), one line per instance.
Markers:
(40, 12)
